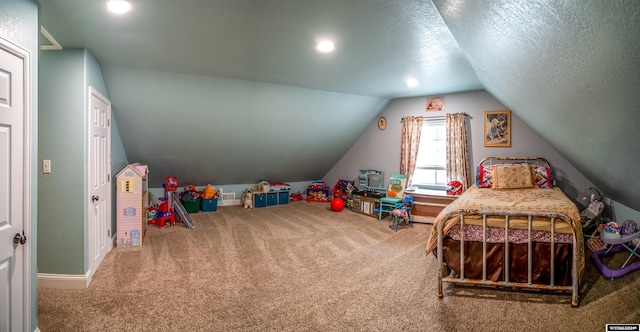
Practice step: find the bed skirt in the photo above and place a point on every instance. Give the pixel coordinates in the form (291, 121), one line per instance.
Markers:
(518, 273)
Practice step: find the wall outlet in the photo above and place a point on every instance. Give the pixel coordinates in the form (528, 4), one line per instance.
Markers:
(46, 166)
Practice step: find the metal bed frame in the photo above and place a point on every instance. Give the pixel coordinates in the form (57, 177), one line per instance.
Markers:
(573, 288)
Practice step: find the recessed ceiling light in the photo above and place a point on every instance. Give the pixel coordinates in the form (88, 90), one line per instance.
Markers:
(412, 82)
(325, 46)
(119, 6)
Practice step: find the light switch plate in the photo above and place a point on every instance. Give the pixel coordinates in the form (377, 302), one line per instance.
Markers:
(46, 166)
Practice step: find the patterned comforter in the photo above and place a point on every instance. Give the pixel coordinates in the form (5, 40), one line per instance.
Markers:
(529, 199)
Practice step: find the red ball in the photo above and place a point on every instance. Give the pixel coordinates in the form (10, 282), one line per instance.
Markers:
(337, 204)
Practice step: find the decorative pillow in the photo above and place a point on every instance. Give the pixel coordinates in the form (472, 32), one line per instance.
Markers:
(542, 176)
(483, 177)
(511, 176)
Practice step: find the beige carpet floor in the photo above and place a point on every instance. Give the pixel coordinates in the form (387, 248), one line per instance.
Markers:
(303, 267)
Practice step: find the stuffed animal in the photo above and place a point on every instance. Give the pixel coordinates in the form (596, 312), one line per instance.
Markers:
(401, 213)
(247, 199)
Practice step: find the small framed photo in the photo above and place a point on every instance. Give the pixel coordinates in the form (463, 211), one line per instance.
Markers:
(497, 128)
(435, 104)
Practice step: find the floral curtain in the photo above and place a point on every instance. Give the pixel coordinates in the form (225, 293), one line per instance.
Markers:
(411, 129)
(457, 149)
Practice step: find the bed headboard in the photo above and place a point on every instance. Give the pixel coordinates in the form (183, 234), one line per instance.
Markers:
(542, 175)
(540, 162)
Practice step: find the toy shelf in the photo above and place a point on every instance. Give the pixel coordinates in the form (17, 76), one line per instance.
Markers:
(263, 199)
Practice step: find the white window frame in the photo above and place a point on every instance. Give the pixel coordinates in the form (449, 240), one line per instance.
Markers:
(432, 141)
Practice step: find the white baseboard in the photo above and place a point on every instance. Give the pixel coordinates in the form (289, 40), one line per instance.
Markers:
(421, 219)
(228, 202)
(64, 281)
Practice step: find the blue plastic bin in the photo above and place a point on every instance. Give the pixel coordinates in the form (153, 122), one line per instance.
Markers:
(209, 205)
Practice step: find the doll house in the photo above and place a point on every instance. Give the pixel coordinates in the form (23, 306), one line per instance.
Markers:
(132, 204)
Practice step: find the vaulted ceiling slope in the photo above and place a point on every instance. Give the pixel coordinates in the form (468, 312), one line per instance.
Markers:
(233, 91)
(379, 43)
(570, 70)
(236, 86)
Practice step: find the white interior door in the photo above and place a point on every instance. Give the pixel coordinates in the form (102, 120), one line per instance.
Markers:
(99, 179)
(13, 187)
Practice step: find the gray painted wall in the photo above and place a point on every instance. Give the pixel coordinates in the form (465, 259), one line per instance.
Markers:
(377, 149)
(19, 25)
(570, 70)
(66, 77)
(223, 131)
(118, 162)
(62, 137)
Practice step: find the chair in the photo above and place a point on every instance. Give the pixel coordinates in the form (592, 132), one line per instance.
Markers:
(402, 214)
(395, 195)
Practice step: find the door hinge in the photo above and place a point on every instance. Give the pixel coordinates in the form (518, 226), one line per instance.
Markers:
(108, 177)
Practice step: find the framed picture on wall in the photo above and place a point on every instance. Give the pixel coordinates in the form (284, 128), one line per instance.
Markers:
(497, 128)
(435, 104)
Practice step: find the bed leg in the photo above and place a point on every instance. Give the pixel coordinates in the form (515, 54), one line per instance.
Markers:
(440, 271)
(440, 259)
(575, 282)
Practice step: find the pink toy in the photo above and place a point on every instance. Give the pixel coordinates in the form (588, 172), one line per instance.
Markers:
(400, 213)
(132, 205)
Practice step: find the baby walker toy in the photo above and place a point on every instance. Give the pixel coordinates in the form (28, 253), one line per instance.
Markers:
(617, 239)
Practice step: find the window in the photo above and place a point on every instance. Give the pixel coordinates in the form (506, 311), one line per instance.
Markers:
(127, 186)
(431, 172)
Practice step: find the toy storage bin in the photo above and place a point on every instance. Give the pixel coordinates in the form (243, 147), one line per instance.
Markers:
(318, 194)
(192, 206)
(283, 197)
(272, 199)
(209, 205)
(259, 200)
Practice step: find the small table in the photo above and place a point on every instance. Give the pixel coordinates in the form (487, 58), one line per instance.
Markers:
(388, 204)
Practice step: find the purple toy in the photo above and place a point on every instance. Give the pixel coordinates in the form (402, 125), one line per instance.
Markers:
(630, 242)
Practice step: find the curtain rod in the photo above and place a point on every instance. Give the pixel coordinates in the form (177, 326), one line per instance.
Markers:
(428, 117)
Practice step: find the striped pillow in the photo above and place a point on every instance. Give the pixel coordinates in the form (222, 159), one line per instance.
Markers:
(543, 177)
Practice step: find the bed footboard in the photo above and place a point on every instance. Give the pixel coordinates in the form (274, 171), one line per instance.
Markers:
(530, 284)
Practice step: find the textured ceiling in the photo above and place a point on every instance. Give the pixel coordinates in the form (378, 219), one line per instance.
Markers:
(234, 89)
(569, 69)
(379, 43)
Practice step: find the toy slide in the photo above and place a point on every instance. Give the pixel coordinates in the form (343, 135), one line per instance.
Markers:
(181, 211)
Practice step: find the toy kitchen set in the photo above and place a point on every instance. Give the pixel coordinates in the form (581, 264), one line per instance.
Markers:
(366, 198)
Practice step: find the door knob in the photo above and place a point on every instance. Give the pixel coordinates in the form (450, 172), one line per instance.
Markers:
(19, 239)
(95, 198)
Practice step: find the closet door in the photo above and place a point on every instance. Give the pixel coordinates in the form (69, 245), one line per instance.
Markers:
(14, 188)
